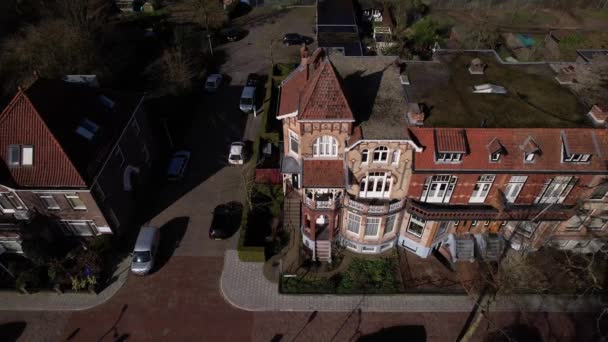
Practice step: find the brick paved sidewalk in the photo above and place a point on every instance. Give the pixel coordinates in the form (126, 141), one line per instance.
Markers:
(244, 286)
(51, 301)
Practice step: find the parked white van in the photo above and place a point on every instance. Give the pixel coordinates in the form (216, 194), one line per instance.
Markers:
(248, 102)
(145, 250)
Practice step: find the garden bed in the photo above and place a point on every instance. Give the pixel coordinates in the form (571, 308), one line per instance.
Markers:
(362, 276)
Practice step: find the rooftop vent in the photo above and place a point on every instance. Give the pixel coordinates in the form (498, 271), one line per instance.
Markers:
(477, 67)
(87, 129)
(488, 88)
(599, 113)
(415, 115)
(106, 101)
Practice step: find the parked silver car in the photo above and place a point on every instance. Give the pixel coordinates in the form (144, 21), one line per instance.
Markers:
(145, 250)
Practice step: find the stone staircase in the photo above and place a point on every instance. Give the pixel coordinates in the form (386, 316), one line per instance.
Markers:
(465, 248)
(493, 248)
(323, 250)
(292, 211)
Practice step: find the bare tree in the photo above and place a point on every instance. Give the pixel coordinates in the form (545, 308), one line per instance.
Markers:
(592, 80)
(88, 15)
(209, 14)
(52, 48)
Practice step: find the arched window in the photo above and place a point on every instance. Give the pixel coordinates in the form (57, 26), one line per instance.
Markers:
(364, 156)
(381, 154)
(325, 146)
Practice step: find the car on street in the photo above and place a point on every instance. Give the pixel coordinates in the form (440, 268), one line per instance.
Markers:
(226, 220)
(145, 250)
(236, 156)
(249, 99)
(233, 34)
(213, 83)
(178, 164)
(296, 39)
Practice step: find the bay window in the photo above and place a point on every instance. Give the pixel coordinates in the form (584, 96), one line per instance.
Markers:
(416, 226)
(353, 223)
(372, 226)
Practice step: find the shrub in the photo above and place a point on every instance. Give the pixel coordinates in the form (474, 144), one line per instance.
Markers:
(369, 276)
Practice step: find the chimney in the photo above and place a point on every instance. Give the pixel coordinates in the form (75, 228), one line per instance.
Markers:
(304, 54)
(415, 115)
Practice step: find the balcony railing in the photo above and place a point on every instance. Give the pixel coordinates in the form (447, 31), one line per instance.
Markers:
(318, 204)
(374, 209)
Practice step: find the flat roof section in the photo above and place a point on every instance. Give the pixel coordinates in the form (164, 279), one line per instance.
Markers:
(335, 12)
(533, 98)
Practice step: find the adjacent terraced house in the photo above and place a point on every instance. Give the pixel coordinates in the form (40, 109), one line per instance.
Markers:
(74, 153)
(386, 154)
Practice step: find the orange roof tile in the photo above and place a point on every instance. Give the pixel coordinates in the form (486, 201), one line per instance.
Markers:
(323, 173)
(323, 98)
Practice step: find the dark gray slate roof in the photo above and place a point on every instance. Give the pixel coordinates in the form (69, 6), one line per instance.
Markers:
(290, 165)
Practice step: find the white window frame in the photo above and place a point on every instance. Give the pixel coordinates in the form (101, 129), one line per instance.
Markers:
(14, 202)
(594, 215)
(495, 157)
(529, 157)
(555, 190)
(47, 205)
(482, 188)
(370, 223)
(525, 232)
(69, 229)
(365, 156)
(396, 154)
(380, 154)
(325, 146)
(417, 221)
(20, 155)
(27, 155)
(474, 223)
(14, 155)
(513, 187)
(352, 220)
(443, 228)
(443, 157)
(438, 188)
(392, 219)
(376, 180)
(293, 137)
(70, 197)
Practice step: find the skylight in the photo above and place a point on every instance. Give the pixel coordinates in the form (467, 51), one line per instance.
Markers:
(87, 129)
(106, 101)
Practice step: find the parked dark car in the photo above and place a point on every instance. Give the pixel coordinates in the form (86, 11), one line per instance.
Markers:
(226, 220)
(233, 34)
(296, 39)
(252, 80)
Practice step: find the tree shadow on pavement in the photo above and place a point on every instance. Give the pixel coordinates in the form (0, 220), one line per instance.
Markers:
(516, 332)
(12, 331)
(171, 234)
(410, 333)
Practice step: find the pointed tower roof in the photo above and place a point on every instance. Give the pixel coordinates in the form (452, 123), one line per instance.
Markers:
(323, 98)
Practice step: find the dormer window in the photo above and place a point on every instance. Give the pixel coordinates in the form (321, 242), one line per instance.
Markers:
(576, 148)
(451, 145)
(530, 149)
(495, 149)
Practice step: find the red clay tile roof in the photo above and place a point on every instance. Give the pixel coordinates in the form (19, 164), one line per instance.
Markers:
(323, 173)
(548, 141)
(323, 98)
(451, 140)
(46, 115)
(291, 90)
(20, 124)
